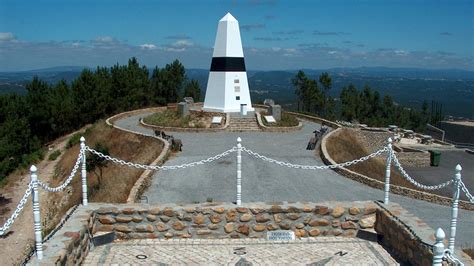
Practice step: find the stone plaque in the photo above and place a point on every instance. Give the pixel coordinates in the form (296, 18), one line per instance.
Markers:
(280, 235)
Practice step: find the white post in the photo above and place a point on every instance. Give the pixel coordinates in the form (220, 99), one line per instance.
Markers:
(84, 172)
(454, 208)
(36, 213)
(387, 172)
(239, 172)
(438, 248)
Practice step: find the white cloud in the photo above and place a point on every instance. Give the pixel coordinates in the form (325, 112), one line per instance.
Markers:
(148, 46)
(183, 43)
(7, 36)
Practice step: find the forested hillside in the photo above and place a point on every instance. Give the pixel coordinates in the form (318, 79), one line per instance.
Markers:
(50, 110)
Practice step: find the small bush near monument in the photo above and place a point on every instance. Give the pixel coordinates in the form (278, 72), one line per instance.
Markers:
(54, 155)
(171, 118)
(287, 120)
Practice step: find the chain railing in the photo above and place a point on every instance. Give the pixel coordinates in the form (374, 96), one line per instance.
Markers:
(466, 192)
(68, 180)
(391, 156)
(313, 167)
(413, 181)
(17, 211)
(158, 167)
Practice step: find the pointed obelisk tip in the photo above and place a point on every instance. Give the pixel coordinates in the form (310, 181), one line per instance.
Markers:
(228, 17)
(458, 168)
(33, 168)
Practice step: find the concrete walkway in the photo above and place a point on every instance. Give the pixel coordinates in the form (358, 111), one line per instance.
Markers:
(262, 181)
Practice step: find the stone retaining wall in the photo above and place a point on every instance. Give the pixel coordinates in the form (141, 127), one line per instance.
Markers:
(420, 195)
(228, 221)
(414, 159)
(224, 220)
(405, 238)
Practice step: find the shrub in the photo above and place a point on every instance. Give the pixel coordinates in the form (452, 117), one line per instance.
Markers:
(54, 155)
(74, 140)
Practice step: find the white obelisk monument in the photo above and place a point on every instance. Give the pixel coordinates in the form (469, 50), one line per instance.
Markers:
(227, 86)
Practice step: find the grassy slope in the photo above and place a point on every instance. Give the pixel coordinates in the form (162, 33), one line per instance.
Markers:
(116, 180)
(343, 146)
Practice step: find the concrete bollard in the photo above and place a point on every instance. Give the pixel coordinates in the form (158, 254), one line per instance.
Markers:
(438, 248)
(84, 172)
(183, 109)
(36, 213)
(454, 208)
(387, 172)
(239, 172)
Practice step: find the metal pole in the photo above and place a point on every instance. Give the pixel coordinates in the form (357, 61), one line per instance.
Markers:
(239, 172)
(387, 172)
(438, 248)
(454, 208)
(84, 172)
(36, 213)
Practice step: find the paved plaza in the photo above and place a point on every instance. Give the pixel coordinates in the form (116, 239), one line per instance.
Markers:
(263, 181)
(307, 251)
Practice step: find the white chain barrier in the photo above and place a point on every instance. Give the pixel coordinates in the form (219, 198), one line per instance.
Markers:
(464, 189)
(450, 257)
(17, 211)
(413, 181)
(68, 180)
(314, 167)
(158, 167)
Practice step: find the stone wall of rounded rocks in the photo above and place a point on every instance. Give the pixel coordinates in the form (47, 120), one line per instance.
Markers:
(229, 221)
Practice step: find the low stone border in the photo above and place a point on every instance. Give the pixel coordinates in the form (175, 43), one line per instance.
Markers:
(415, 194)
(145, 178)
(316, 119)
(397, 230)
(277, 129)
(184, 129)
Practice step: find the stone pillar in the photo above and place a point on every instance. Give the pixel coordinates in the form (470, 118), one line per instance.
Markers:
(275, 111)
(183, 109)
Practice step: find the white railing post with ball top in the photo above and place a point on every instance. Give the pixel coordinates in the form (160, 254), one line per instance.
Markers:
(387, 172)
(454, 208)
(36, 213)
(438, 248)
(84, 171)
(239, 172)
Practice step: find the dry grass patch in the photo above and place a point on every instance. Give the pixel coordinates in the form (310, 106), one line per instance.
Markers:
(344, 146)
(286, 120)
(117, 181)
(171, 118)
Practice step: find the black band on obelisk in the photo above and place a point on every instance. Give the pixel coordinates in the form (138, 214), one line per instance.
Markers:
(228, 64)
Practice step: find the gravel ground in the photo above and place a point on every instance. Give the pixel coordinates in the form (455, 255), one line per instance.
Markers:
(263, 181)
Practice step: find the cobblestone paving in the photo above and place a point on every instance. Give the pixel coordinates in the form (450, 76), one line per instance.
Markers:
(307, 251)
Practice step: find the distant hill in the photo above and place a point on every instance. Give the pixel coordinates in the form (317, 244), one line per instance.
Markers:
(453, 88)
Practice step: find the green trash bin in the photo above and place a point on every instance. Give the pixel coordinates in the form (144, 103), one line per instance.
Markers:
(435, 157)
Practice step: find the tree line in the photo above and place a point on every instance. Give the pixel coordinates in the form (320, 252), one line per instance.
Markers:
(364, 105)
(48, 111)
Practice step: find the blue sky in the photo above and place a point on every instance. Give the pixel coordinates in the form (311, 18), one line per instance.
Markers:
(276, 34)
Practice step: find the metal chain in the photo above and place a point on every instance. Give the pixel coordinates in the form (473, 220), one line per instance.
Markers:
(314, 167)
(18, 209)
(157, 167)
(68, 180)
(411, 180)
(450, 257)
(468, 195)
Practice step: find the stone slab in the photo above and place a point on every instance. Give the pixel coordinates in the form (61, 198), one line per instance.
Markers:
(270, 119)
(216, 120)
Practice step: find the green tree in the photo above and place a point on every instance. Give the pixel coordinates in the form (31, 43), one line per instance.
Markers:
(96, 164)
(192, 89)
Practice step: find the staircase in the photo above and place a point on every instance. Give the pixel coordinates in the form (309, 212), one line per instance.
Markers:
(243, 123)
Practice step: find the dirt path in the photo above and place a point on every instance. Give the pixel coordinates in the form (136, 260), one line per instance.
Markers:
(20, 239)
